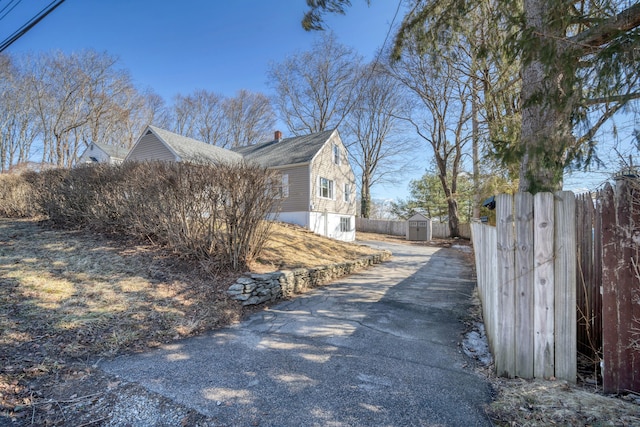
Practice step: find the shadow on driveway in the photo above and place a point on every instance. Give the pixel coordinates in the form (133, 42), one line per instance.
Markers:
(379, 348)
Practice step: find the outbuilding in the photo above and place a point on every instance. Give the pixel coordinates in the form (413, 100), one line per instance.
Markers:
(419, 228)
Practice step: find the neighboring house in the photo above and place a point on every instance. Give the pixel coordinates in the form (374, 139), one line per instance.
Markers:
(315, 180)
(103, 153)
(160, 144)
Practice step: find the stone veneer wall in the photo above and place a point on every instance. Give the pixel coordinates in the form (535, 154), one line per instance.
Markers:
(254, 289)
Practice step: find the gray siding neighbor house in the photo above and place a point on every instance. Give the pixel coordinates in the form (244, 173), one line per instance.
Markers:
(315, 180)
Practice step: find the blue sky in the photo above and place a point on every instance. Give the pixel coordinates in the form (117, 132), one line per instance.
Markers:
(177, 47)
(223, 46)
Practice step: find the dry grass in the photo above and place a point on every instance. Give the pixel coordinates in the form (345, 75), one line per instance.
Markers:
(69, 297)
(291, 246)
(545, 403)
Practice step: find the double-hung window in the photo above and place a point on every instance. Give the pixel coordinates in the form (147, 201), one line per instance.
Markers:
(336, 154)
(279, 185)
(284, 186)
(347, 193)
(345, 224)
(326, 188)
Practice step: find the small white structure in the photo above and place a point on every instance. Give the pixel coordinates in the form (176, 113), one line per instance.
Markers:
(102, 153)
(419, 228)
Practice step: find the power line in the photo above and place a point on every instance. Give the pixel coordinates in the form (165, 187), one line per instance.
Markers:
(3, 9)
(30, 24)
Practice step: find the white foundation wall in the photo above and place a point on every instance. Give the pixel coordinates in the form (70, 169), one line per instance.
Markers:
(297, 218)
(328, 224)
(325, 224)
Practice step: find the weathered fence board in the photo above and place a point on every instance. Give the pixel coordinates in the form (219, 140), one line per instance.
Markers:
(529, 334)
(524, 290)
(621, 287)
(399, 228)
(528, 267)
(392, 228)
(566, 351)
(505, 351)
(588, 292)
(543, 280)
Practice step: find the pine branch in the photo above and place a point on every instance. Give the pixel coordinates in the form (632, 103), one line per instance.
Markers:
(613, 98)
(605, 32)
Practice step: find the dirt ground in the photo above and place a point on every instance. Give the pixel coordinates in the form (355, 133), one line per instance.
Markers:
(69, 298)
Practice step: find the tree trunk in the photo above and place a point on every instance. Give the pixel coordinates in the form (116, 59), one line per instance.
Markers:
(475, 141)
(454, 221)
(546, 126)
(452, 204)
(365, 199)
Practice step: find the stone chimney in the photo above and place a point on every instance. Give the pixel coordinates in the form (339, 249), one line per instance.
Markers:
(277, 135)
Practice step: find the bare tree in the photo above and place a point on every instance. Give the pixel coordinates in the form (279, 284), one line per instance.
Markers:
(18, 127)
(578, 61)
(315, 89)
(249, 119)
(199, 115)
(70, 93)
(118, 112)
(58, 104)
(376, 144)
(442, 116)
(245, 119)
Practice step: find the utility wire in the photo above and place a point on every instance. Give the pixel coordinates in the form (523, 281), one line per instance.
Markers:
(30, 24)
(3, 9)
(376, 60)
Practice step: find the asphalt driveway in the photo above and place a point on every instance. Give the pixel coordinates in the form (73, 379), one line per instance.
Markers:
(379, 348)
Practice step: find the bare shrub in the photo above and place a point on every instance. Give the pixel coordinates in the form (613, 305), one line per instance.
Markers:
(215, 214)
(66, 196)
(16, 197)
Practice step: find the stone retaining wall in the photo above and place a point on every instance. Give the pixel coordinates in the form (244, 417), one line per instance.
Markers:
(254, 289)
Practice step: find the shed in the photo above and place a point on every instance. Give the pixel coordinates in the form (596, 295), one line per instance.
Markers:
(419, 228)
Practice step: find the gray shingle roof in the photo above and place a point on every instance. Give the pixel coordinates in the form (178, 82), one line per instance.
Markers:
(113, 151)
(190, 149)
(287, 151)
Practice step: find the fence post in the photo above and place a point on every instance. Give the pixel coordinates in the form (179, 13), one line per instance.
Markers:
(543, 275)
(566, 349)
(505, 341)
(524, 285)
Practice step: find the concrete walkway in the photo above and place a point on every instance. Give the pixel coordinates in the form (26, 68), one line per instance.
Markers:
(379, 348)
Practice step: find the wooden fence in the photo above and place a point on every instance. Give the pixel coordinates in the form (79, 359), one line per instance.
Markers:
(399, 228)
(609, 307)
(526, 269)
(379, 226)
(589, 279)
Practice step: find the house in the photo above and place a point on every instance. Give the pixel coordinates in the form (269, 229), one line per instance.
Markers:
(160, 144)
(315, 180)
(103, 153)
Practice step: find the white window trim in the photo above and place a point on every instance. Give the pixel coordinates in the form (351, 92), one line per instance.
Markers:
(285, 185)
(336, 154)
(344, 219)
(279, 186)
(347, 193)
(330, 188)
